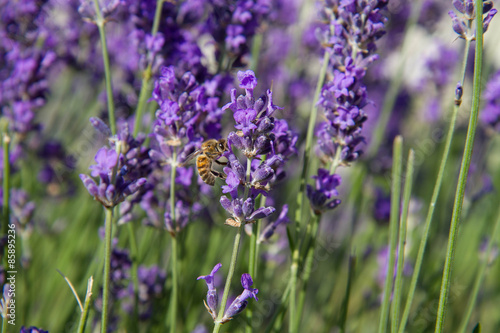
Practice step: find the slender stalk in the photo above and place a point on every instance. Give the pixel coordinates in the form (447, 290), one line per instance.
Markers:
(73, 290)
(256, 46)
(294, 268)
(252, 264)
(275, 322)
(230, 274)
(301, 197)
(307, 151)
(396, 300)
(107, 269)
(234, 257)
(100, 22)
(143, 97)
(395, 85)
(134, 257)
(432, 203)
(85, 310)
(6, 191)
(147, 74)
(480, 276)
(173, 296)
(175, 286)
(345, 302)
(464, 169)
(393, 230)
(309, 260)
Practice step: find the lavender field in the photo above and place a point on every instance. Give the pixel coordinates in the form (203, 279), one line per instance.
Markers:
(250, 166)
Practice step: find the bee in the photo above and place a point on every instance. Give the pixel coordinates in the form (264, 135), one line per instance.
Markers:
(209, 152)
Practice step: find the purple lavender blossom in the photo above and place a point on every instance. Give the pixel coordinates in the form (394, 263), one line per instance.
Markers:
(490, 115)
(343, 96)
(232, 24)
(24, 65)
(186, 113)
(22, 210)
(321, 195)
(32, 329)
(348, 33)
(113, 185)
(268, 232)
(119, 280)
(212, 297)
(381, 206)
(438, 71)
(151, 287)
(256, 136)
(57, 164)
(461, 25)
(130, 168)
(244, 211)
(240, 303)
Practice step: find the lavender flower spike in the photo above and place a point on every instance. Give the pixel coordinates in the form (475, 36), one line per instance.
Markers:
(212, 298)
(271, 228)
(324, 190)
(240, 303)
(113, 186)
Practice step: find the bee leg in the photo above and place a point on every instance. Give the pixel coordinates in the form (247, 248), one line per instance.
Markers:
(220, 163)
(221, 175)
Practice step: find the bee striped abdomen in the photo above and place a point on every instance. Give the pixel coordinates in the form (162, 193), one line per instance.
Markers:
(204, 165)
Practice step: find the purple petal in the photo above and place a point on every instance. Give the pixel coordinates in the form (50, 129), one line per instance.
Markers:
(261, 213)
(226, 204)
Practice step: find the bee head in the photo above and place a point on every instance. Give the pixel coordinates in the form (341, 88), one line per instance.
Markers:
(222, 145)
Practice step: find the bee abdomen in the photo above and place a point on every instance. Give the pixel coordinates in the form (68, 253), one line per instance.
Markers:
(204, 165)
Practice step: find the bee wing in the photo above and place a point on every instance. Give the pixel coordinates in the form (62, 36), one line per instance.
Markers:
(190, 157)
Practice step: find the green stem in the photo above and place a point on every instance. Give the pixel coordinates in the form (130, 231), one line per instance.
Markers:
(393, 230)
(302, 191)
(480, 276)
(252, 265)
(6, 191)
(73, 290)
(100, 22)
(396, 84)
(173, 296)
(278, 314)
(294, 268)
(234, 257)
(156, 21)
(345, 302)
(175, 286)
(134, 257)
(432, 204)
(307, 150)
(464, 169)
(107, 269)
(143, 97)
(85, 312)
(256, 46)
(309, 260)
(146, 75)
(396, 300)
(254, 251)
(230, 274)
